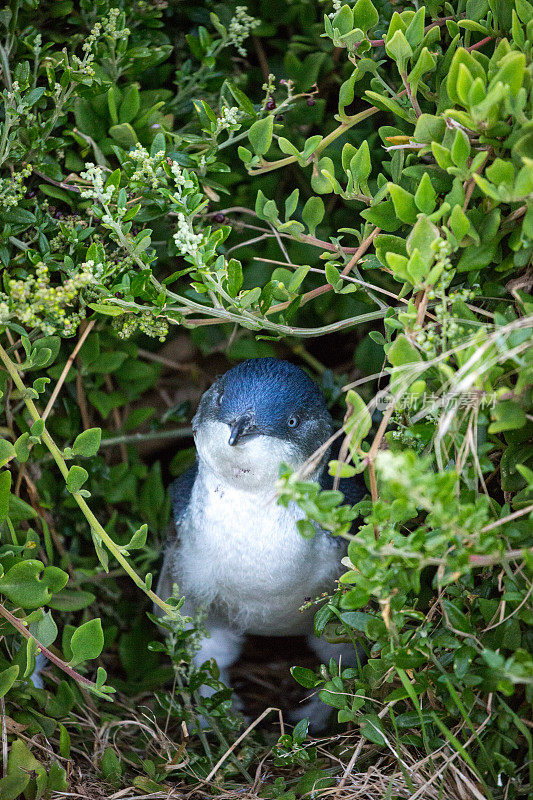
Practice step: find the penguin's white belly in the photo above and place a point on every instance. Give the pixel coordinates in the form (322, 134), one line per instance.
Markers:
(241, 554)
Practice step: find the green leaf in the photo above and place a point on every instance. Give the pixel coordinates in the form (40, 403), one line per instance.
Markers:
(383, 215)
(300, 731)
(29, 584)
(235, 277)
(306, 529)
(343, 20)
(333, 276)
(110, 311)
(462, 56)
(402, 352)
(260, 135)
(360, 164)
(404, 204)
(297, 278)
(442, 155)
(20, 510)
(76, 478)
(37, 428)
(87, 442)
(305, 677)
(124, 135)
(5, 490)
(365, 15)
(319, 183)
(456, 617)
(459, 223)
(287, 147)
(425, 195)
(372, 728)
(22, 761)
(138, 540)
(460, 149)
(111, 767)
(8, 678)
(112, 94)
(429, 128)
(313, 213)
(356, 619)
(291, 203)
(243, 101)
(7, 452)
(22, 447)
(511, 72)
(88, 121)
(158, 145)
(45, 630)
(399, 49)
(113, 179)
(87, 642)
(415, 30)
(131, 101)
(507, 415)
(422, 236)
(71, 600)
(359, 421)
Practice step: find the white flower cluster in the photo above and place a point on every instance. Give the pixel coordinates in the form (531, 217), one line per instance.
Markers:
(187, 241)
(229, 119)
(12, 189)
(14, 88)
(110, 26)
(148, 168)
(181, 179)
(147, 323)
(337, 5)
(240, 27)
(33, 302)
(95, 176)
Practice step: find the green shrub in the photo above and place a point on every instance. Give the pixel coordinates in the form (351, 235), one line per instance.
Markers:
(141, 147)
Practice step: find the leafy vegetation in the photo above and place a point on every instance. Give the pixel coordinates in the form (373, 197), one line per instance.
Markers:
(371, 165)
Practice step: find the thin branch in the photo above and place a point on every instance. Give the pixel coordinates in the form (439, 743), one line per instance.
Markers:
(4, 736)
(167, 362)
(263, 63)
(62, 185)
(524, 601)
(479, 44)
(305, 298)
(508, 518)
(66, 369)
(237, 742)
(97, 529)
(6, 72)
(22, 628)
(135, 438)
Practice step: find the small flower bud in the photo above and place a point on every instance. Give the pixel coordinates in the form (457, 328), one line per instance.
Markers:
(271, 104)
(310, 101)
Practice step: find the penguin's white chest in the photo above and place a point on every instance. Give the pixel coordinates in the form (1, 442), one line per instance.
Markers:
(242, 554)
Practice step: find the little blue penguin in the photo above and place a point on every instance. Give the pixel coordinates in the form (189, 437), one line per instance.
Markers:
(236, 550)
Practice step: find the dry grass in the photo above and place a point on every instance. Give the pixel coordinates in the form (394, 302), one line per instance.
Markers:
(359, 770)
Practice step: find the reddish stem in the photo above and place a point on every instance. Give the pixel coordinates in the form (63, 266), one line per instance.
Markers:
(19, 625)
(479, 44)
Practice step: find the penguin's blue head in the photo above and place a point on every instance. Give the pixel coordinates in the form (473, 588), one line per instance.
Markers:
(258, 414)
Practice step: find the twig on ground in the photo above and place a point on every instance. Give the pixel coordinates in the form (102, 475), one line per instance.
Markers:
(66, 369)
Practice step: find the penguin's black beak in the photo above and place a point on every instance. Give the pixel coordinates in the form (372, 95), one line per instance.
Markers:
(240, 427)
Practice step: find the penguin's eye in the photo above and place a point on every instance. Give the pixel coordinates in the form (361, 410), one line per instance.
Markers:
(293, 421)
(219, 397)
